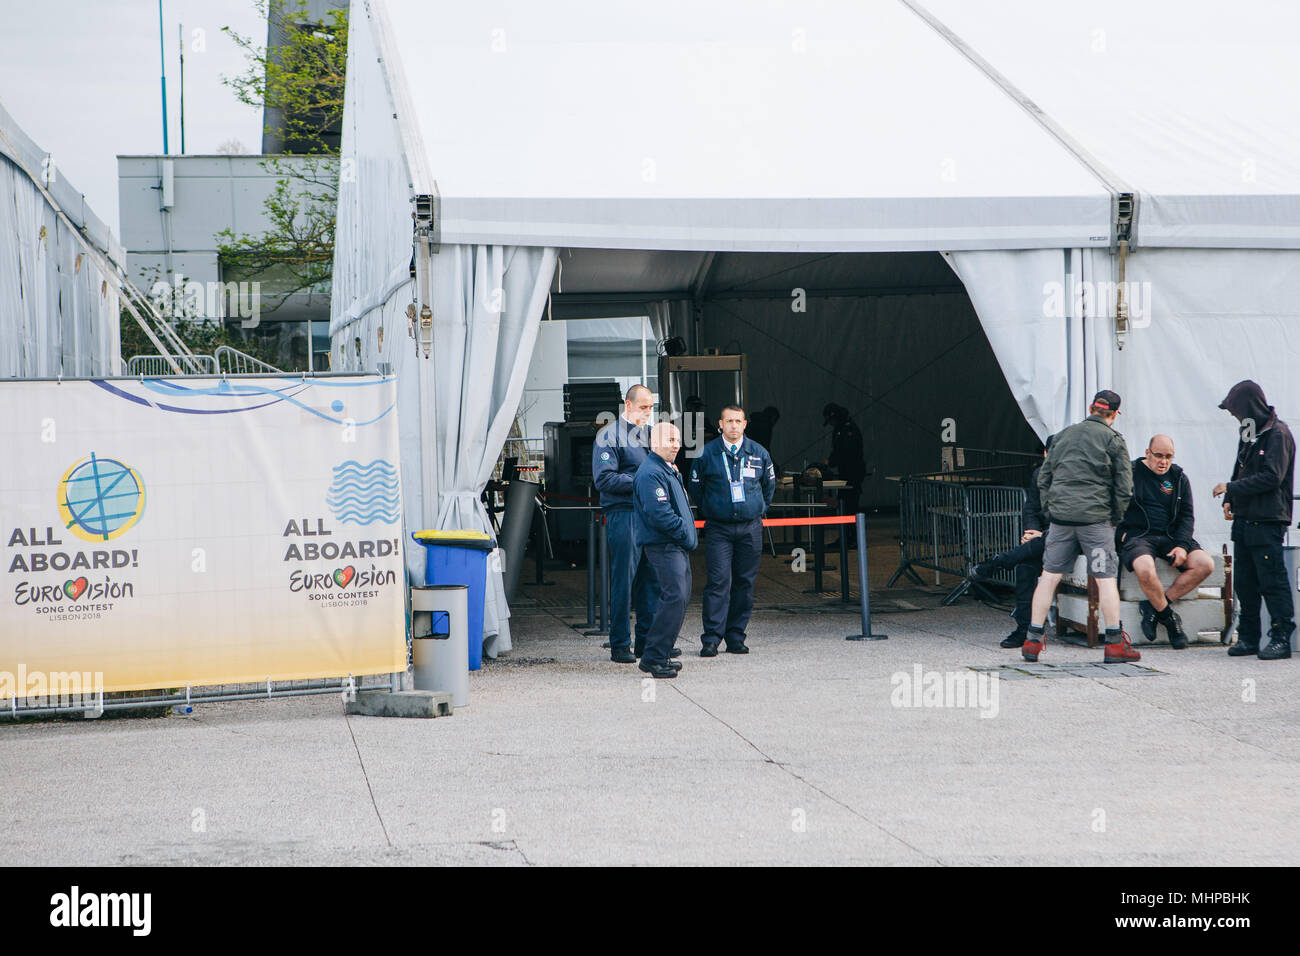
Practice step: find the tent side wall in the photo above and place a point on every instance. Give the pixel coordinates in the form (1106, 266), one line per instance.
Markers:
(59, 314)
(1200, 321)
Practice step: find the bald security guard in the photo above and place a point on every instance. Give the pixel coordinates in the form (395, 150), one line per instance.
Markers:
(665, 530)
(619, 450)
(732, 482)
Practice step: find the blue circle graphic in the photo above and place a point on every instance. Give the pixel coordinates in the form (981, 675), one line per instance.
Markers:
(336, 405)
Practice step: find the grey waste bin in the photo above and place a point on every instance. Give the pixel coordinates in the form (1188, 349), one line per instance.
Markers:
(440, 640)
(1290, 555)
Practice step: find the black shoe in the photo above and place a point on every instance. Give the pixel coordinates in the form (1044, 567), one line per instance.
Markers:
(1279, 642)
(1242, 649)
(1015, 639)
(709, 650)
(1148, 619)
(658, 671)
(675, 652)
(737, 649)
(981, 572)
(1276, 650)
(1174, 628)
(622, 655)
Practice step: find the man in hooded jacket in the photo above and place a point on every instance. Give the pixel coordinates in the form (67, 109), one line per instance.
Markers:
(1258, 502)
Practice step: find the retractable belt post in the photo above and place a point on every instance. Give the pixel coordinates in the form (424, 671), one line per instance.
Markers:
(865, 597)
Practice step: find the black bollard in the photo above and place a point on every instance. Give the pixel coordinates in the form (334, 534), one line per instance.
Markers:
(865, 599)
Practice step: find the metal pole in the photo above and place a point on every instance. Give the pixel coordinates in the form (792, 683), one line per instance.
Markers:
(162, 65)
(844, 554)
(591, 570)
(604, 578)
(865, 597)
(311, 367)
(538, 543)
(819, 548)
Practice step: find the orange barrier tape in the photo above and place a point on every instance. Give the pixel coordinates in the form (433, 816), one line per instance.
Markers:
(794, 522)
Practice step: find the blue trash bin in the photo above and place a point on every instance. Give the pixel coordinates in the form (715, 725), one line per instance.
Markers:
(460, 557)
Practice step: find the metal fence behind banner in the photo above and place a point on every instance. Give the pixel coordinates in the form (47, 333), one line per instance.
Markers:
(183, 699)
(157, 365)
(947, 525)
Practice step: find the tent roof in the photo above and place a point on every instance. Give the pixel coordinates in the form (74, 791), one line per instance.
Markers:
(35, 162)
(843, 126)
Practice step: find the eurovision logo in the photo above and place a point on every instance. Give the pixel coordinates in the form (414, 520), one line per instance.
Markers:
(100, 498)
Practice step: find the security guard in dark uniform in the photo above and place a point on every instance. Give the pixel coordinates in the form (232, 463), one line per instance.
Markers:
(1258, 501)
(619, 450)
(665, 531)
(732, 481)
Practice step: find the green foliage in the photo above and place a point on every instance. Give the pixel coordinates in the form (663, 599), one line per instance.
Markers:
(300, 84)
(296, 253)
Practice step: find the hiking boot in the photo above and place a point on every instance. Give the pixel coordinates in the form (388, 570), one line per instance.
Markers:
(1032, 647)
(1122, 652)
(1279, 642)
(1016, 638)
(1174, 628)
(1148, 619)
(1243, 649)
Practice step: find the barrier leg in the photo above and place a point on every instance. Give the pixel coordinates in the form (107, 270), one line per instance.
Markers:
(865, 596)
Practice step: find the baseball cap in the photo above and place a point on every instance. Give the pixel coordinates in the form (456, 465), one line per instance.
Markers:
(1106, 400)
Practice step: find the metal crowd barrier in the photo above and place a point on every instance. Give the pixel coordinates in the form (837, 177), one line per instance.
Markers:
(948, 525)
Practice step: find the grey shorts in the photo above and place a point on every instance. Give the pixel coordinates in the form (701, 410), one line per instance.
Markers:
(1096, 542)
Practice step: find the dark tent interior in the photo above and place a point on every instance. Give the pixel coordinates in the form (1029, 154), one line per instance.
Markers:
(892, 337)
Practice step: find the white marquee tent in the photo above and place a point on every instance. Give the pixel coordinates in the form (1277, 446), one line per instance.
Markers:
(58, 270)
(1040, 148)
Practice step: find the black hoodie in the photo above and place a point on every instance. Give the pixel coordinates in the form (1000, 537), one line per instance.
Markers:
(1173, 492)
(1263, 479)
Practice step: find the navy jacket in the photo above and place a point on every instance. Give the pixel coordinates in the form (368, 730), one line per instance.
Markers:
(619, 450)
(662, 510)
(1179, 518)
(715, 469)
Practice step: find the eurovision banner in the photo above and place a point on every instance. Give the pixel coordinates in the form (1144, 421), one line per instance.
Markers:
(170, 531)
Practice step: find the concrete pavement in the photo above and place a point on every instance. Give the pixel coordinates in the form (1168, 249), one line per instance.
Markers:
(794, 754)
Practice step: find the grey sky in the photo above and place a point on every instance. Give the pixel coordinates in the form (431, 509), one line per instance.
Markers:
(81, 79)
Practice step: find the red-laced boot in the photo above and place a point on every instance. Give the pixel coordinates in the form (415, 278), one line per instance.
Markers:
(1121, 652)
(1033, 646)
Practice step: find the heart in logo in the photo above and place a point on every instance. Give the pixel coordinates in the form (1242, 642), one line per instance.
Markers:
(74, 589)
(343, 576)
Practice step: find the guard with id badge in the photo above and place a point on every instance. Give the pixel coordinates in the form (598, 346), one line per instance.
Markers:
(732, 483)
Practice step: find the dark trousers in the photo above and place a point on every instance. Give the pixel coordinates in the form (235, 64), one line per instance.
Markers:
(629, 583)
(731, 552)
(670, 575)
(1027, 561)
(1258, 570)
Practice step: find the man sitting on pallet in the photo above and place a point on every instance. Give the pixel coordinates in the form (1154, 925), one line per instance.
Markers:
(1159, 522)
(1026, 558)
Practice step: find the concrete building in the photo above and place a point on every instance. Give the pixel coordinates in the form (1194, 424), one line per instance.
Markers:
(174, 209)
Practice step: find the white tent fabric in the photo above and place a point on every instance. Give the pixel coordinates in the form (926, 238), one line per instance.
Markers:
(1202, 320)
(728, 125)
(455, 407)
(1191, 102)
(487, 303)
(58, 312)
(1001, 133)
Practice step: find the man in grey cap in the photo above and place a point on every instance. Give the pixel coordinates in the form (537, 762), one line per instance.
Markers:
(1085, 484)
